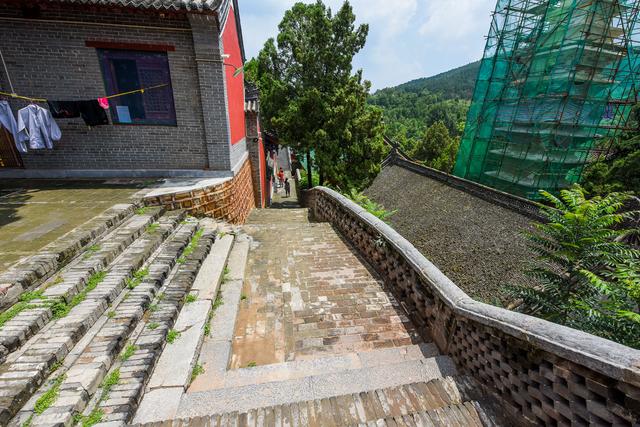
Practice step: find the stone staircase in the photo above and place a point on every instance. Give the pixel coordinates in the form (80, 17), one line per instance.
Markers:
(164, 319)
(304, 334)
(78, 344)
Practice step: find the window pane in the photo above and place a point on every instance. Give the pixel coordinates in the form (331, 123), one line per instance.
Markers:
(124, 71)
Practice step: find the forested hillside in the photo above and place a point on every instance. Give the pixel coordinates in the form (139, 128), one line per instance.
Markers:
(417, 113)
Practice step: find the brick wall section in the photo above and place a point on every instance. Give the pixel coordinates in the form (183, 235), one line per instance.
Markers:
(540, 372)
(231, 201)
(253, 146)
(49, 59)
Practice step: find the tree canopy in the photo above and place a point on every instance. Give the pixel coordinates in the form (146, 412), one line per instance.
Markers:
(312, 98)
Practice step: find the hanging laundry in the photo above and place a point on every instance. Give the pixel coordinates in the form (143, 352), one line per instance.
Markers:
(8, 122)
(37, 127)
(64, 109)
(92, 113)
(104, 103)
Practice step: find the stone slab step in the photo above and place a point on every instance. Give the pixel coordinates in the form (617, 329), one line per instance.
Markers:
(149, 344)
(280, 216)
(31, 271)
(432, 403)
(315, 387)
(174, 369)
(69, 281)
(81, 381)
(34, 361)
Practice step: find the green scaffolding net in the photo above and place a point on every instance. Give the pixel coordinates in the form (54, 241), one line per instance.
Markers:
(556, 84)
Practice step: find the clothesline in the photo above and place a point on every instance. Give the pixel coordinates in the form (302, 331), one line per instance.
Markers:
(131, 92)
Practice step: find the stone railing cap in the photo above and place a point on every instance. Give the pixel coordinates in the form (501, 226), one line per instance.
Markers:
(602, 355)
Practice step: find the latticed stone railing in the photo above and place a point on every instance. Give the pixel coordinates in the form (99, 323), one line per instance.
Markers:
(539, 371)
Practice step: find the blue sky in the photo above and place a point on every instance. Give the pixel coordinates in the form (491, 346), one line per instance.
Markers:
(408, 39)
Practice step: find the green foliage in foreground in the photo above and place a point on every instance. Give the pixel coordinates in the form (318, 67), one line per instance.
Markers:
(589, 278)
(372, 207)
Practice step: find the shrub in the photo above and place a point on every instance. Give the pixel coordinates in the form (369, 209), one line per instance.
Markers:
(589, 277)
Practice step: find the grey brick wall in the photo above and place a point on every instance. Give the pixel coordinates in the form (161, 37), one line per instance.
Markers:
(48, 58)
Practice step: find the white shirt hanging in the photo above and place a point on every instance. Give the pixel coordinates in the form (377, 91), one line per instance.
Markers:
(37, 127)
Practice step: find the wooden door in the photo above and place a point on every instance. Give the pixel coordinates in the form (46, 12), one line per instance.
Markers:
(9, 155)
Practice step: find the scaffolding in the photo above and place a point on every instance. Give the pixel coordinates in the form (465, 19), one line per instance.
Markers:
(556, 84)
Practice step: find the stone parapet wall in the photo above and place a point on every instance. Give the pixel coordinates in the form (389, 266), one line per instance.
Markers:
(540, 372)
(231, 201)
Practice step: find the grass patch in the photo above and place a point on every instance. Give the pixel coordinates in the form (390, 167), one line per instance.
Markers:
(49, 397)
(112, 379)
(190, 298)
(153, 325)
(141, 211)
(14, 311)
(152, 228)
(61, 309)
(91, 250)
(191, 246)
(111, 314)
(92, 419)
(161, 296)
(252, 365)
(137, 278)
(243, 297)
(56, 366)
(30, 296)
(197, 370)
(172, 336)
(214, 306)
(153, 307)
(28, 421)
(225, 274)
(128, 352)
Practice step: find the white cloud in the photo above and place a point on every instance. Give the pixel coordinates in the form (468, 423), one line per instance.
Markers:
(408, 39)
(455, 20)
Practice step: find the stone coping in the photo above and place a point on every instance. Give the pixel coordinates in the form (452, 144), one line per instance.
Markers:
(606, 357)
(175, 186)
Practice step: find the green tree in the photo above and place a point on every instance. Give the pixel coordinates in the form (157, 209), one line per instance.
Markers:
(620, 169)
(437, 149)
(313, 100)
(589, 278)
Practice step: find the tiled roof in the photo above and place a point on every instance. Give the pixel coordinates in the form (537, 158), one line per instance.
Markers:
(199, 5)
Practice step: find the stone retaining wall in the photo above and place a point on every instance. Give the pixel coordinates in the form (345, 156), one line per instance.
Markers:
(540, 372)
(231, 201)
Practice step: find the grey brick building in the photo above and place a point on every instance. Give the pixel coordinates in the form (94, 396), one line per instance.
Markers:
(87, 49)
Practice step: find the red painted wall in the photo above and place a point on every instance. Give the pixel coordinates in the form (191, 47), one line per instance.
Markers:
(235, 85)
(263, 172)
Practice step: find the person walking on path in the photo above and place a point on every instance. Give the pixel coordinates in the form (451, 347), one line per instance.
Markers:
(287, 187)
(281, 177)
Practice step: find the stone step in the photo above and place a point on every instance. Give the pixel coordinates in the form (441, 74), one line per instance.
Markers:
(154, 333)
(430, 403)
(175, 369)
(82, 380)
(26, 369)
(30, 272)
(32, 314)
(278, 216)
(314, 387)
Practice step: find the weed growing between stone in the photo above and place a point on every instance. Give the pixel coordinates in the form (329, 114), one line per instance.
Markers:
(137, 278)
(60, 308)
(172, 336)
(90, 251)
(214, 306)
(128, 352)
(197, 370)
(49, 397)
(191, 246)
(22, 304)
(190, 299)
(152, 228)
(141, 211)
(97, 413)
(153, 325)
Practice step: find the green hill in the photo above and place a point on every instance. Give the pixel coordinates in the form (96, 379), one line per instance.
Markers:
(410, 108)
(453, 84)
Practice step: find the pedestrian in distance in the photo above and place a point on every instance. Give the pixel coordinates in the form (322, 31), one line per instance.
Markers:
(287, 187)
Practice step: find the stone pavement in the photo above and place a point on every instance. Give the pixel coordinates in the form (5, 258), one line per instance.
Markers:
(307, 293)
(34, 213)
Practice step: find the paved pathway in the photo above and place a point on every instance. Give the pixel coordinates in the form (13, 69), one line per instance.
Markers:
(308, 294)
(34, 213)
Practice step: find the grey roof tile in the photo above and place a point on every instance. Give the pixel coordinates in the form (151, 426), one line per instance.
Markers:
(195, 5)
